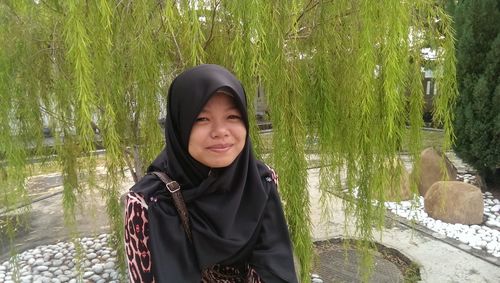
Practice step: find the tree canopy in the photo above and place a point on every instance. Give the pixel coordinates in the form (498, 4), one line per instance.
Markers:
(344, 74)
(477, 124)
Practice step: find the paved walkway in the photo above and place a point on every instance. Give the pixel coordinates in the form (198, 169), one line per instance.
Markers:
(46, 219)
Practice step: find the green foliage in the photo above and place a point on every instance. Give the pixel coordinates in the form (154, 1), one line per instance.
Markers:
(477, 125)
(343, 73)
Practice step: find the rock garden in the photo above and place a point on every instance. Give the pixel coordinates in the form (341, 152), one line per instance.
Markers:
(453, 206)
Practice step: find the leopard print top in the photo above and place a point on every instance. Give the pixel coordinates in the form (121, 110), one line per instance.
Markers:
(139, 256)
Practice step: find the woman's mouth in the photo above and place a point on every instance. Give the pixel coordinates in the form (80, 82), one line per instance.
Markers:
(220, 147)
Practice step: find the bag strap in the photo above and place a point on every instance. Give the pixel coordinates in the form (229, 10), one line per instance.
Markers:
(175, 191)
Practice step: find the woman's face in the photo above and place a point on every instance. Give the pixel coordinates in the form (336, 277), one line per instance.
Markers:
(218, 134)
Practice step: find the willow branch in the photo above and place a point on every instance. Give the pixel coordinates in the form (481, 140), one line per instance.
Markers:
(310, 29)
(126, 156)
(174, 38)
(210, 36)
(52, 114)
(50, 7)
(11, 9)
(306, 10)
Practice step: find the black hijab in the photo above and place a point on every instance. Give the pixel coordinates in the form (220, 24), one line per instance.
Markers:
(235, 212)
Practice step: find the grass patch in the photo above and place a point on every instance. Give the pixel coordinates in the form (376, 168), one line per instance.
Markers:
(429, 139)
(45, 167)
(412, 273)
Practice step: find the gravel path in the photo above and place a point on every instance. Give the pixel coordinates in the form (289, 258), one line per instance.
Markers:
(57, 263)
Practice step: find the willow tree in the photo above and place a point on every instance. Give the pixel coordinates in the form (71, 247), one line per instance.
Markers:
(344, 73)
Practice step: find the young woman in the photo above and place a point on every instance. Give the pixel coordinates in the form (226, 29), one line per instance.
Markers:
(237, 229)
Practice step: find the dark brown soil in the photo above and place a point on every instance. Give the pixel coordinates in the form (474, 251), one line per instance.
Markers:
(493, 188)
(338, 260)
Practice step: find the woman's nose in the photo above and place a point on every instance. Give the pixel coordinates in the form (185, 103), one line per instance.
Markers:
(219, 129)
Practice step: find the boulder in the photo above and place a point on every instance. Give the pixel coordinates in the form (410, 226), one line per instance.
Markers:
(454, 202)
(398, 188)
(431, 169)
(398, 191)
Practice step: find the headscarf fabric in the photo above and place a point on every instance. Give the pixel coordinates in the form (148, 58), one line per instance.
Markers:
(235, 212)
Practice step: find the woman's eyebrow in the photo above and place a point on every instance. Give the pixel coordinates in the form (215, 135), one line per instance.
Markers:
(233, 107)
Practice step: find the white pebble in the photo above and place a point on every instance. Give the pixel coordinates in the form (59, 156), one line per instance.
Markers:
(87, 274)
(109, 265)
(41, 268)
(98, 268)
(495, 208)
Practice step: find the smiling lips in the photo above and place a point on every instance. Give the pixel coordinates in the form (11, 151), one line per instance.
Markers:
(220, 147)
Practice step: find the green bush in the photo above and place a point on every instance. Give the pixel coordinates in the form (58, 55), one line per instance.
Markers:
(477, 115)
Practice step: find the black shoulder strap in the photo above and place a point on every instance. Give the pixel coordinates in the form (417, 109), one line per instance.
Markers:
(174, 189)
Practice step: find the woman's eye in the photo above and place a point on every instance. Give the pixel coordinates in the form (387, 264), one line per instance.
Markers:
(201, 119)
(237, 117)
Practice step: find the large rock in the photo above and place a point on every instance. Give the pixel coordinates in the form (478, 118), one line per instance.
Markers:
(398, 187)
(454, 202)
(398, 191)
(431, 169)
